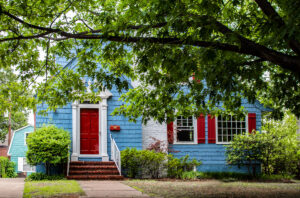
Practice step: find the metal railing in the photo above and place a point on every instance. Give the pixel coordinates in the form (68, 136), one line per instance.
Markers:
(115, 153)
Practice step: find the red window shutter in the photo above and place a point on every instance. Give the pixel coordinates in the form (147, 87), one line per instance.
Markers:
(170, 131)
(211, 121)
(201, 129)
(251, 122)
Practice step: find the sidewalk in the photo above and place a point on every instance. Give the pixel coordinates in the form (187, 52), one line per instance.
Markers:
(11, 187)
(109, 189)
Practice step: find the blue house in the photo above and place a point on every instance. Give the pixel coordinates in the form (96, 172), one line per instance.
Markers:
(18, 148)
(96, 134)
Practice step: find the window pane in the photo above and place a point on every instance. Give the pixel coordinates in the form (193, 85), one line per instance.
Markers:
(225, 132)
(219, 131)
(229, 124)
(219, 124)
(243, 125)
(224, 124)
(219, 138)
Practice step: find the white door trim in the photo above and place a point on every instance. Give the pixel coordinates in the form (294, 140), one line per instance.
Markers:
(102, 106)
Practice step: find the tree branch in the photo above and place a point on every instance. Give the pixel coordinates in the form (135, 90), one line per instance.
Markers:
(25, 37)
(28, 24)
(250, 47)
(253, 62)
(270, 12)
(246, 46)
(91, 29)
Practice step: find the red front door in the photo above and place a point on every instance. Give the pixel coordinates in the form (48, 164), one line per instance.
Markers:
(89, 131)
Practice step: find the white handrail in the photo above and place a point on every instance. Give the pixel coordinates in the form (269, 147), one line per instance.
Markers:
(68, 165)
(115, 153)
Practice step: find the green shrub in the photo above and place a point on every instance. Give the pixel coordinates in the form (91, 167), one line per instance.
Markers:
(146, 163)
(142, 163)
(176, 166)
(190, 175)
(281, 155)
(7, 168)
(245, 150)
(48, 145)
(43, 176)
(276, 148)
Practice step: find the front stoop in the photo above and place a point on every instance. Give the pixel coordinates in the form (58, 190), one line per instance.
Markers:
(81, 170)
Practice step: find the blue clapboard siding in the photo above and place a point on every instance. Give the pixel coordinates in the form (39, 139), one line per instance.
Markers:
(62, 118)
(130, 134)
(213, 155)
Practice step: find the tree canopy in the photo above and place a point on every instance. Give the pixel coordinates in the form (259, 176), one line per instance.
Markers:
(48, 145)
(14, 98)
(234, 49)
(18, 120)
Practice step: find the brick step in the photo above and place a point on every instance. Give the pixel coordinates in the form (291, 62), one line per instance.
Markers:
(92, 167)
(91, 163)
(94, 172)
(96, 177)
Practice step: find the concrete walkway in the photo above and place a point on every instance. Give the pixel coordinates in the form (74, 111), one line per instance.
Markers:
(109, 189)
(11, 187)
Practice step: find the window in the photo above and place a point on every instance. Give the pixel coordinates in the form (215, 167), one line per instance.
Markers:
(228, 126)
(27, 167)
(23, 166)
(25, 137)
(185, 130)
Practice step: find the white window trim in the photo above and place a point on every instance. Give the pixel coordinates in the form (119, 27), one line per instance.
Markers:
(25, 143)
(216, 124)
(185, 142)
(21, 165)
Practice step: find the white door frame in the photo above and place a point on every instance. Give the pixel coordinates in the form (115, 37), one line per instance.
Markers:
(102, 106)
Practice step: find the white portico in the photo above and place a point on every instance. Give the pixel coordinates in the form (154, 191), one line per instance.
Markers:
(101, 126)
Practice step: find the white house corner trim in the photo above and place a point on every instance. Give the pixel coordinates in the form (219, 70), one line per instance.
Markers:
(103, 127)
(75, 154)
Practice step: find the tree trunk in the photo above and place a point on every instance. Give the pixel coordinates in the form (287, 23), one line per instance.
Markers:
(47, 165)
(9, 129)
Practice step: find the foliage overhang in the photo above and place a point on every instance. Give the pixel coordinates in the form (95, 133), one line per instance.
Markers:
(230, 45)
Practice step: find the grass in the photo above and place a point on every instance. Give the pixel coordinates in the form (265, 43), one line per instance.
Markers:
(231, 176)
(214, 188)
(58, 188)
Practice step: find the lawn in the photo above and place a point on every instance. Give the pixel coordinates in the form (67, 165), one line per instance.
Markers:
(215, 188)
(57, 188)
